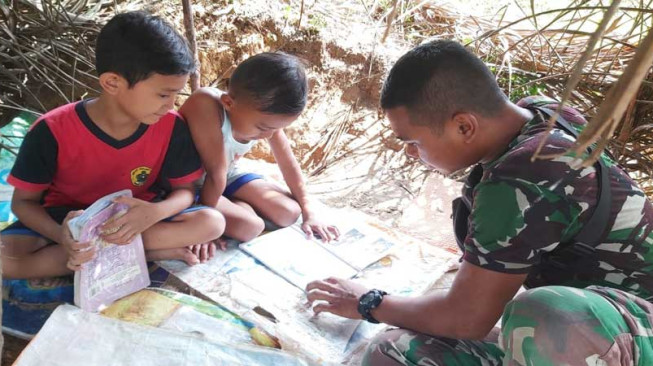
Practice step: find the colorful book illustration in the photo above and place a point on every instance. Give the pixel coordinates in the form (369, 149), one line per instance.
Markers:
(117, 270)
(74, 337)
(172, 310)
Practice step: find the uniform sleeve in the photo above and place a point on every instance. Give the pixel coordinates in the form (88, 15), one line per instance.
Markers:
(513, 223)
(36, 162)
(182, 163)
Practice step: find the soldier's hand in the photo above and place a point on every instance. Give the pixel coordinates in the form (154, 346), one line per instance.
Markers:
(337, 296)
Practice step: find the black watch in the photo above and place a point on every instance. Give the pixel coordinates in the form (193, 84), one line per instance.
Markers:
(369, 301)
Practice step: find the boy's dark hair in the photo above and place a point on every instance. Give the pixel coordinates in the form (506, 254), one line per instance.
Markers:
(435, 80)
(274, 81)
(136, 45)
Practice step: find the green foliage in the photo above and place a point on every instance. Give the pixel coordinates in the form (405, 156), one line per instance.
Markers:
(11, 136)
(316, 22)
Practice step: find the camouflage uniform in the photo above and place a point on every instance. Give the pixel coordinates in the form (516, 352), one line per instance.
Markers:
(524, 209)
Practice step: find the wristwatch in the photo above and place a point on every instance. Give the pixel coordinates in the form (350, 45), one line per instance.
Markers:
(369, 301)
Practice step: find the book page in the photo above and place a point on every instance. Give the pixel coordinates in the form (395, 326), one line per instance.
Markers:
(73, 337)
(237, 281)
(288, 253)
(359, 247)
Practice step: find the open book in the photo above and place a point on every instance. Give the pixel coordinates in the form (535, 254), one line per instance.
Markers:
(117, 270)
(259, 293)
(299, 260)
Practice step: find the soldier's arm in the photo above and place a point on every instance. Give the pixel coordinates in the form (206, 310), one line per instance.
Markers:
(469, 310)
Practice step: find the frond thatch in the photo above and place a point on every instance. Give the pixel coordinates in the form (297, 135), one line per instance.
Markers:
(537, 54)
(47, 53)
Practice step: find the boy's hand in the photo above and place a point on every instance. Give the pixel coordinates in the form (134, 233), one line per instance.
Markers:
(326, 232)
(140, 217)
(78, 253)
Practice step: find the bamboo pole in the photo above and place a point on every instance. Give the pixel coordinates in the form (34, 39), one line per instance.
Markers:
(189, 25)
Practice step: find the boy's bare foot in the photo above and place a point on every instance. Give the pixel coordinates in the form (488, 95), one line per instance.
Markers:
(204, 251)
(221, 243)
(184, 254)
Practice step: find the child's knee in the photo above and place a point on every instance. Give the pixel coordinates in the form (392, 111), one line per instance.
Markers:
(286, 213)
(20, 245)
(212, 221)
(257, 225)
(7, 264)
(248, 229)
(14, 266)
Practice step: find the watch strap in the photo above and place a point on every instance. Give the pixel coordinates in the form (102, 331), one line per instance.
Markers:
(365, 307)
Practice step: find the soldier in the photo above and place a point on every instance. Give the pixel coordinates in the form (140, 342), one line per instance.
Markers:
(579, 238)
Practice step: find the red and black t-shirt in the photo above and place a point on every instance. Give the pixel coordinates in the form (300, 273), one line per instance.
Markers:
(69, 157)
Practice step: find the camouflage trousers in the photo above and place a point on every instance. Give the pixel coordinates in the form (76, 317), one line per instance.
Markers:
(550, 325)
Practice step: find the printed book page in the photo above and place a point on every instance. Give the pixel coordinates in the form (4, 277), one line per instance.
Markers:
(299, 260)
(73, 337)
(360, 247)
(244, 285)
(288, 253)
(237, 281)
(117, 270)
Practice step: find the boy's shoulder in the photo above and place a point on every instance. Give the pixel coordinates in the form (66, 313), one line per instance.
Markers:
(60, 114)
(172, 123)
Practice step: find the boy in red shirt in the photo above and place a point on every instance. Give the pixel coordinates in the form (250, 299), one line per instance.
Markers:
(127, 138)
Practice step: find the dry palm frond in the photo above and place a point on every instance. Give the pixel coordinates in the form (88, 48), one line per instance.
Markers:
(578, 69)
(536, 54)
(617, 100)
(46, 52)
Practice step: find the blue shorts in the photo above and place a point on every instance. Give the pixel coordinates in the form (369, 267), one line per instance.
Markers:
(238, 182)
(58, 214)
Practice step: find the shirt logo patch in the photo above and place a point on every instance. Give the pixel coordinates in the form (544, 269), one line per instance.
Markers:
(139, 175)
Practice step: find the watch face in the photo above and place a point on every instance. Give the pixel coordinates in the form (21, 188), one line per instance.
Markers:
(368, 299)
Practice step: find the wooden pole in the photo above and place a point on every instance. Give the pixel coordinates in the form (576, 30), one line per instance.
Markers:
(189, 24)
(301, 14)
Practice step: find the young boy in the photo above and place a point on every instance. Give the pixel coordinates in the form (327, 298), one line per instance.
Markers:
(267, 92)
(127, 138)
(590, 307)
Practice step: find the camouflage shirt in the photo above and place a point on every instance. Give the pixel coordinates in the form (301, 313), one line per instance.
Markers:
(522, 210)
